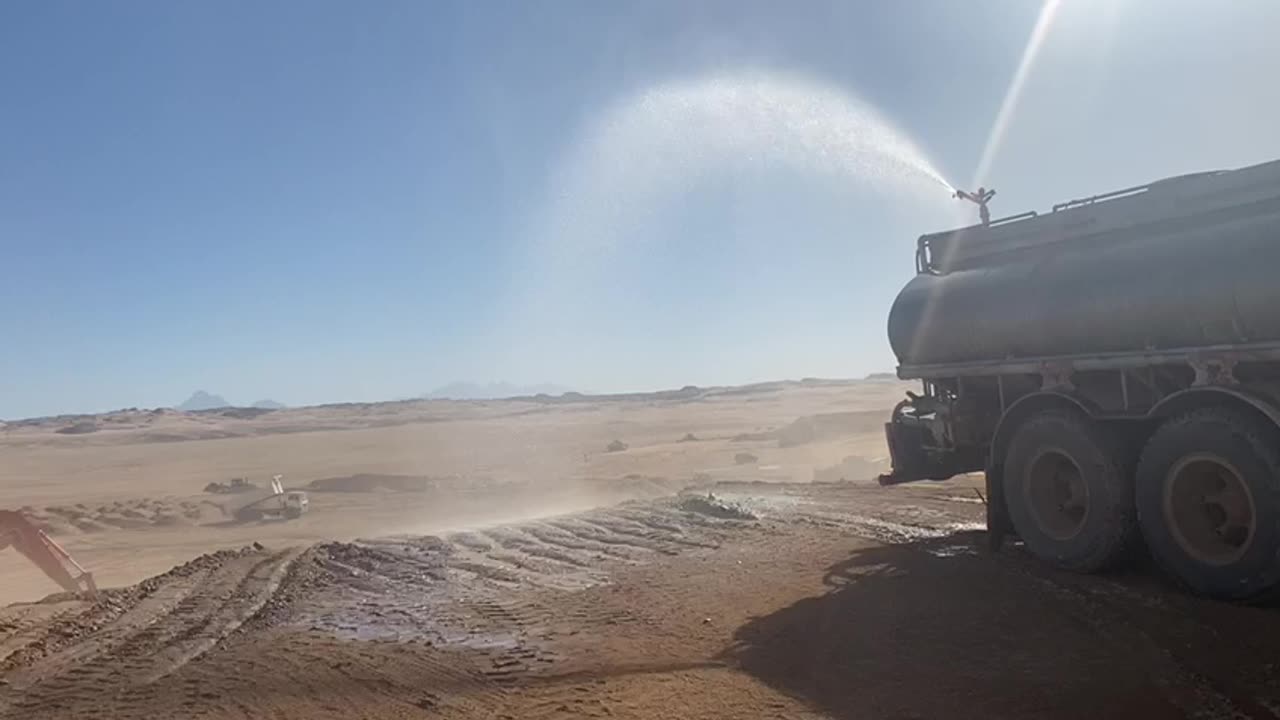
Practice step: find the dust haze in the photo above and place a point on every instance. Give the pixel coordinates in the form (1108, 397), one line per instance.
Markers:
(565, 557)
(125, 492)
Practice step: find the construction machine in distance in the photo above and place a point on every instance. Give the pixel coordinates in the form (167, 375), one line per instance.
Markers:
(1113, 367)
(17, 531)
(278, 504)
(22, 534)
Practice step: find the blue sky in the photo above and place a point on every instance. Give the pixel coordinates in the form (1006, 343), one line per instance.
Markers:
(328, 201)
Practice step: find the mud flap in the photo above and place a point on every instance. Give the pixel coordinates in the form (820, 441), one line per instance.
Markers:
(906, 454)
(911, 462)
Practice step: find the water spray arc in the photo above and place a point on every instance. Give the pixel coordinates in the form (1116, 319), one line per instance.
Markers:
(667, 138)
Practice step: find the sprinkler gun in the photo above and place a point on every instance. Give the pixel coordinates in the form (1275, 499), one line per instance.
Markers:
(980, 197)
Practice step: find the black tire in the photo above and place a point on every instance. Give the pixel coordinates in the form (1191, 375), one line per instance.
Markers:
(1091, 527)
(1223, 543)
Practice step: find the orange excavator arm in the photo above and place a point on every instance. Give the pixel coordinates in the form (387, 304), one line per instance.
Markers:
(20, 533)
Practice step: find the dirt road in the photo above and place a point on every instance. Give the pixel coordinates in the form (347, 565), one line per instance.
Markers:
(837, 601)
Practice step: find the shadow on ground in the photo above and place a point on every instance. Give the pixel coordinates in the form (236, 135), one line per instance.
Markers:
(941, 628)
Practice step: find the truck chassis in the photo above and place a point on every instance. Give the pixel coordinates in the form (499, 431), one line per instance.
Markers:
(1087, 456)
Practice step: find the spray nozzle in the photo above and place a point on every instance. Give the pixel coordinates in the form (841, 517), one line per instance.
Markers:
(980, 197)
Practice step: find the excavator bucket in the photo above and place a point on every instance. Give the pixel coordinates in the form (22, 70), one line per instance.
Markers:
(20, 533)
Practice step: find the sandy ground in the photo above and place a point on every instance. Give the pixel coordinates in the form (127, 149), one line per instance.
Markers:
(611, 588)
(127, 500)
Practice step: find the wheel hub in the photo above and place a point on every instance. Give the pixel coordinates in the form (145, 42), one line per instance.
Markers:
(1209, 509)
(1057, 495)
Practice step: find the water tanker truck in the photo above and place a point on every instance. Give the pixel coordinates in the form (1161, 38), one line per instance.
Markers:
(1113, 367)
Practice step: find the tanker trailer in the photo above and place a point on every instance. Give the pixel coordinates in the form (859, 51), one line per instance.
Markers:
(1113, 366)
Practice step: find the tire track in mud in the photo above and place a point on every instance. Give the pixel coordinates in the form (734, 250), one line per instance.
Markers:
(665, 538)
(88, 622)
(556, 537)
(252, 593)
(516, 540)
(560, 554)
(25, 625)
(525, 621)
(477, 611)
(331, 678)
(172, 624)
(899, 528)
(139, 619)
(509, 594)
(654, 518)
(629, 542)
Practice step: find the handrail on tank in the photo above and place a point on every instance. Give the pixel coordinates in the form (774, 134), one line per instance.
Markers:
(1012, 218)
(1104, 196)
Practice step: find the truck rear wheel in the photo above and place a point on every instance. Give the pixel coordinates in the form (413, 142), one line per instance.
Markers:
(1208, 500)
(1069, 492)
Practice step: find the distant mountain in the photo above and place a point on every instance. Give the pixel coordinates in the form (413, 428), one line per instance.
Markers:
(269, 405)
(493, 390)
(201, 400)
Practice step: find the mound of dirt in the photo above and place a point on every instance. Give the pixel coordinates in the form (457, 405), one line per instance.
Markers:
(89, 525)
(194, 512)
(367, 482)
(812, 428)
(237, 485)
(745, 458)
(132, 514)
(244, 413)
(122, 521)
(715, 507)
(57, 527)
(165, 519)
(83, 427)
(64, 514)
(51, 523)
